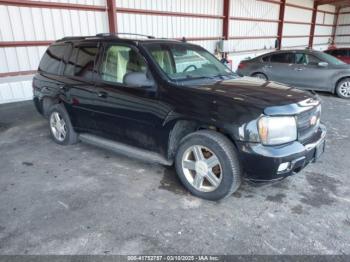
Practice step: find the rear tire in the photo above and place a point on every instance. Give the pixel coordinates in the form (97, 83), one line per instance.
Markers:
(343, 88)
(61, 128)
(260, 76)
(207, 165)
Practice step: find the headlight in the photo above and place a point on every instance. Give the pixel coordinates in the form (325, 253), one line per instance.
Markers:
(277, 130)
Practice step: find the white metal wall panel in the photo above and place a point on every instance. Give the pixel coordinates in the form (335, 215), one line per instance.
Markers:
(15, 91)
(209, 7)
(36, 24)
(30, 24)
(169, 26)
(323, 33)
(40, 24)
(343, 30)
(254, 9)
(173, 26)
(299, 42)
(295, 14)
(248, 28)
(305, 3)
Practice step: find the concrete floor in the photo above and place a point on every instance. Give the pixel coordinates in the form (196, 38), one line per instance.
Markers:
(84, 200)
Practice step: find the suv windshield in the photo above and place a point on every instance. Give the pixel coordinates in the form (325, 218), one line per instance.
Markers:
(182, 61)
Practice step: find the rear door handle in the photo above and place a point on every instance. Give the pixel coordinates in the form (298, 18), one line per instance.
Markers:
(102, 94)
(298, 69)
(268, 66)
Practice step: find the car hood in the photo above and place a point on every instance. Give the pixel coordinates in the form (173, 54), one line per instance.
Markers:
(267, 97)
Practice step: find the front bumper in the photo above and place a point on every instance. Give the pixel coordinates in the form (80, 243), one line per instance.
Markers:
(260, 163)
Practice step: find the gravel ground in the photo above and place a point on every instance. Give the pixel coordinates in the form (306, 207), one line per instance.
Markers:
(85, 200)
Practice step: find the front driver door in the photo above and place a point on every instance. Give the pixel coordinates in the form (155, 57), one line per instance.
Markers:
(129, 114)
(309, 74)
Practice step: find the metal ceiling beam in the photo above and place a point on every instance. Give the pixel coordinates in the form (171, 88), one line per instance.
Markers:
(331, 2)
(226, 21)
(313, 24)
(112, 15)
(281, 24)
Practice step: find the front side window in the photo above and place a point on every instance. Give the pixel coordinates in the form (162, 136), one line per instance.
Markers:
(183, 61)
(52, 59)
(329, 59)
(306, 59)
(118, 61)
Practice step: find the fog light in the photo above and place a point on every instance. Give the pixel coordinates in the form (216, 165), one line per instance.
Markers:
(283, 167)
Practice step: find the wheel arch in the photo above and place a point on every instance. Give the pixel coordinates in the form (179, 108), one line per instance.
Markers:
(258, 72)
(183, 127)
(338, 81)
(47, 102)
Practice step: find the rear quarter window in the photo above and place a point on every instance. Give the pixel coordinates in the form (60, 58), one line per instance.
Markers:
(52, 61)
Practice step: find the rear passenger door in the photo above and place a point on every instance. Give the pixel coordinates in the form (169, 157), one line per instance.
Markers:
(79, 88)
(279, 67)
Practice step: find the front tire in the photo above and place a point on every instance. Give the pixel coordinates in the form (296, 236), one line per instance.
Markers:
(61, 128)
(207, 165)
(343, 88)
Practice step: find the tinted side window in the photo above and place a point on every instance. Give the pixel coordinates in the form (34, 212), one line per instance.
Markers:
(85, 62)
(69, 69)
(340, 52)
(312, 60)
(286, 58)
(52, 59)
(266, 59)
(81, 62)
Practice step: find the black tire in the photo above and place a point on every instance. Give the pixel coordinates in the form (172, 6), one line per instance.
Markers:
(71, 136)
(226, 153)
(260, 76)
(338, 90)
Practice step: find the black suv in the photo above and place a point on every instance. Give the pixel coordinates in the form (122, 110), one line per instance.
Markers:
(173, 102)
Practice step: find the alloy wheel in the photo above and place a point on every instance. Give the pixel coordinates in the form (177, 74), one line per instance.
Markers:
(344, 89)
(58, 126)
(202, 168)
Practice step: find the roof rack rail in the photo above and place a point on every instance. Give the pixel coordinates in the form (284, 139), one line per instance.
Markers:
(116, 34)
(72, 38)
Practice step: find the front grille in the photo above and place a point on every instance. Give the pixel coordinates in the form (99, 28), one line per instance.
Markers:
(306, 129)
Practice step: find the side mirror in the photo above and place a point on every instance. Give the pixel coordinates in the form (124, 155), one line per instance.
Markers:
(322, 64)
(138, 79)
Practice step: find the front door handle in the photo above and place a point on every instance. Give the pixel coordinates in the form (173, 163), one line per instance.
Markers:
(63, 88)
(268, 66)
(102, 94)
(298, 69)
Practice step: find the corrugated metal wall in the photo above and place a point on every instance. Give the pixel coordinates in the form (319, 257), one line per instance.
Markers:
(344, 19)
(38, 24)
(295, 14)
(255, 10)
(173, 26)
(324, 27)
(47, 24)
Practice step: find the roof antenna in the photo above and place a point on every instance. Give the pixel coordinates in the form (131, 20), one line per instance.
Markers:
(183, 39)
